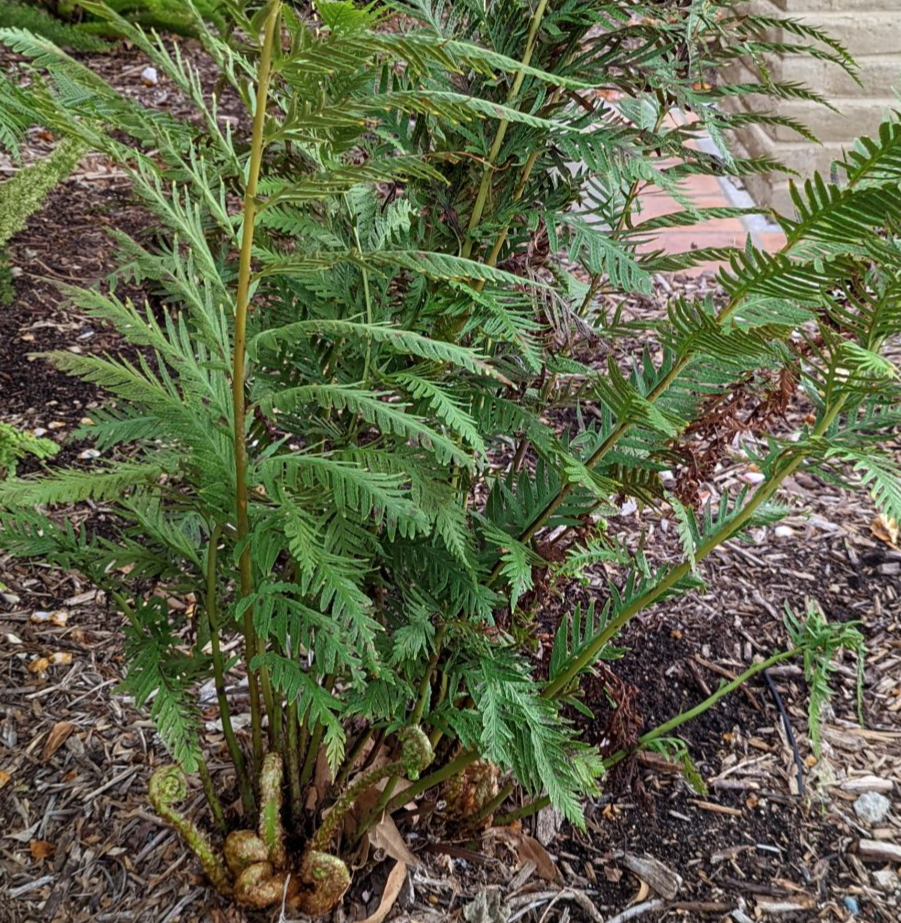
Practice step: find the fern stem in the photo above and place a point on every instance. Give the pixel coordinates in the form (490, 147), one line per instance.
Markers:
(525, 810)
(252, 646)
(168, 787)
(684, 717)
(293, 761)
(209, 789)
(425, 686)
(309, 763)
(501, 132)
(126, 607)
(520, 188)
(448, 771)
(228, 730)
(367, 297)
(517, 195)
(362, 783)
(529, 165)
(274, 708)
(518, 192)
(314, 738)
(488, 809)
(416, 754)
(720, 535)
(303, 740)
(270, 829)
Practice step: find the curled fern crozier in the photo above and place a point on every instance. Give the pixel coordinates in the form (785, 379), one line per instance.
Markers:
(168, 787)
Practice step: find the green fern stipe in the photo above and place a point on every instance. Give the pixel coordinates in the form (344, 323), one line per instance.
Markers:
(271, 831)
(166, 789)
(416, 754)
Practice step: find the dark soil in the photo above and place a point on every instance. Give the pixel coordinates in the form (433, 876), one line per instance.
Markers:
(66, 244)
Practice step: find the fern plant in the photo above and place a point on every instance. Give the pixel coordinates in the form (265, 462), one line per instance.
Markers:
(336, 429)
(164, 15)
(71, 26)
(16, 444)
(23, 195)
(21, 15)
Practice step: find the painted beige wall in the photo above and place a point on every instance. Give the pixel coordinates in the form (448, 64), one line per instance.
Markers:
(871, 31)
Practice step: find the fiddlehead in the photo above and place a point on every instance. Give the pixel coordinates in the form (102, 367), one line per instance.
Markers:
(260, 885)
(416, 751)
(468, 793)
(244, 848)
(325, 878)
(168, 786)
(272, 832)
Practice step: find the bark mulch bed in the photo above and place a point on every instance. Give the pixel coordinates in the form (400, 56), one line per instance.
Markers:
(79, 842)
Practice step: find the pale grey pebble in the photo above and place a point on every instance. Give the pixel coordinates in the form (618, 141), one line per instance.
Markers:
(872, 807)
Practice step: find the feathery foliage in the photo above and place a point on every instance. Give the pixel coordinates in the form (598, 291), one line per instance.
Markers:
(16, 444)
(24, 194)
(26, 15)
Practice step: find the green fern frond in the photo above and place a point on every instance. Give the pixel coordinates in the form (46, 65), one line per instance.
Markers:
(17, 444)
(351, 488)
(878, 472)
(24, 194)
(16, 15)
(821, 642)
(403, 342)
(160, 674)
(381, 410)
(73, 485)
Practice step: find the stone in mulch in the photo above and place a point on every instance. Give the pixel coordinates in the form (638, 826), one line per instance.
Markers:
(872, 807)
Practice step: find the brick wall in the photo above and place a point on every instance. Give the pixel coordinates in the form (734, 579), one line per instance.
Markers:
(871, 31)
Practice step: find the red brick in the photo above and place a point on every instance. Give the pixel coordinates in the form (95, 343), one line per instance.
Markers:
(771, 241)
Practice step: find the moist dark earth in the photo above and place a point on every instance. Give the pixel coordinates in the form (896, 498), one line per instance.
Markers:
(79, 842)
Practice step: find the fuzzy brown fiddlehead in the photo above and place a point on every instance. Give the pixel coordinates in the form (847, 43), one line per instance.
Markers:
(470, 791)
(272, 832)
(260, 885)
(168, 786)
(244, 848)
(324, 878)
